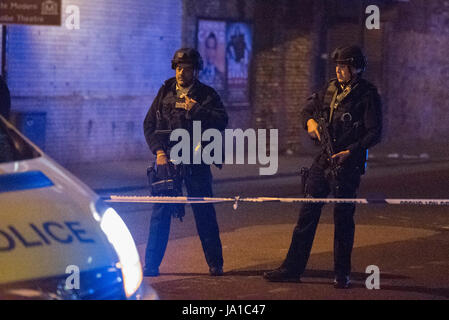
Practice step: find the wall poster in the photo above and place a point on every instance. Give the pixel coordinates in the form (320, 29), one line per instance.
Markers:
(226, 49)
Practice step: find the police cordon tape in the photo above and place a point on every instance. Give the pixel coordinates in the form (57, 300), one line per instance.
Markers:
(236, 200)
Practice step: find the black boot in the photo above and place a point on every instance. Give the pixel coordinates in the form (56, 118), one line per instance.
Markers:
(342, 282)
(216, 271)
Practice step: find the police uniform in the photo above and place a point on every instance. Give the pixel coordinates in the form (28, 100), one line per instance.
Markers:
(354, 119)
(197, 177)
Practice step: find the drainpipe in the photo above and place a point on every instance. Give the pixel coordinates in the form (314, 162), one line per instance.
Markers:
(4, 71)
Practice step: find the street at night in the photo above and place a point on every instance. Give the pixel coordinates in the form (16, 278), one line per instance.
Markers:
(409, 244)
(213, 151)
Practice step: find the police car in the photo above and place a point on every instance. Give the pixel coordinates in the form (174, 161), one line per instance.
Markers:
(58, 240)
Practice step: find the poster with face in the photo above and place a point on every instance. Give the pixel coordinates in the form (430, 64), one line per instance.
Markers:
(238, 56)
(212, 46)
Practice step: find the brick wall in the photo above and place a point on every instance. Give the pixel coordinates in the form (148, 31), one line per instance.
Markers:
(221, 10)
(287, 67)
(417, 72)
(96, 83)
(407, 61)
(282, 62)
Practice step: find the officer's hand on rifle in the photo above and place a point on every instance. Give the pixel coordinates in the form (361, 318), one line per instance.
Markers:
(312, 129)
(341, 156)
(164, 169)
(161, 158)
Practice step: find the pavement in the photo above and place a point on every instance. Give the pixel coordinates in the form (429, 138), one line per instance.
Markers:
(124, 176)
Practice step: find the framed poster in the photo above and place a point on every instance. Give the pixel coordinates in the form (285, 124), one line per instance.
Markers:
(211, 44)
(226, 48)
(238, 57)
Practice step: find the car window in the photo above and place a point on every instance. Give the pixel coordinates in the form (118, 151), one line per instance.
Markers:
(12, 146)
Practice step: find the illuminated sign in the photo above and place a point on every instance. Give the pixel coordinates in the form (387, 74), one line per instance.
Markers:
(31, 12)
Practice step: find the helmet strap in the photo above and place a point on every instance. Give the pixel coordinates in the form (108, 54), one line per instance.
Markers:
(196, 73)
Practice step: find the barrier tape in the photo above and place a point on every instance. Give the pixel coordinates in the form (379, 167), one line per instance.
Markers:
(236, 200)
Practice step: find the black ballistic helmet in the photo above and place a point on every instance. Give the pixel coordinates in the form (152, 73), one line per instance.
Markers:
(187, 56)
(351, 56)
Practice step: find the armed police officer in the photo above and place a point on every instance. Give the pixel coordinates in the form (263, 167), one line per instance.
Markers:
(180, 101)
(346, 118)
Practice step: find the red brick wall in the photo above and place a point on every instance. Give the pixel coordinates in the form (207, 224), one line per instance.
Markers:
(282, 64)
(416, 75)
(408, 62)
(221, 10)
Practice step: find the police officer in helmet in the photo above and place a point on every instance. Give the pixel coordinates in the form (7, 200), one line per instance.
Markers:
(180, 101)
(350, 107)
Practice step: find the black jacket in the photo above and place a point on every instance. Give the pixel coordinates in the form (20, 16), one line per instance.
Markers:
(5, 99)
(356, 123)
(209, 110)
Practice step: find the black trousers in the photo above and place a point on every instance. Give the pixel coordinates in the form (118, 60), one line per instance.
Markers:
(198, 182)
(6, 149)
(319, 185)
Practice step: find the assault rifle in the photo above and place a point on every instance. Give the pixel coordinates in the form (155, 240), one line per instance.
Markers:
(325, 138)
